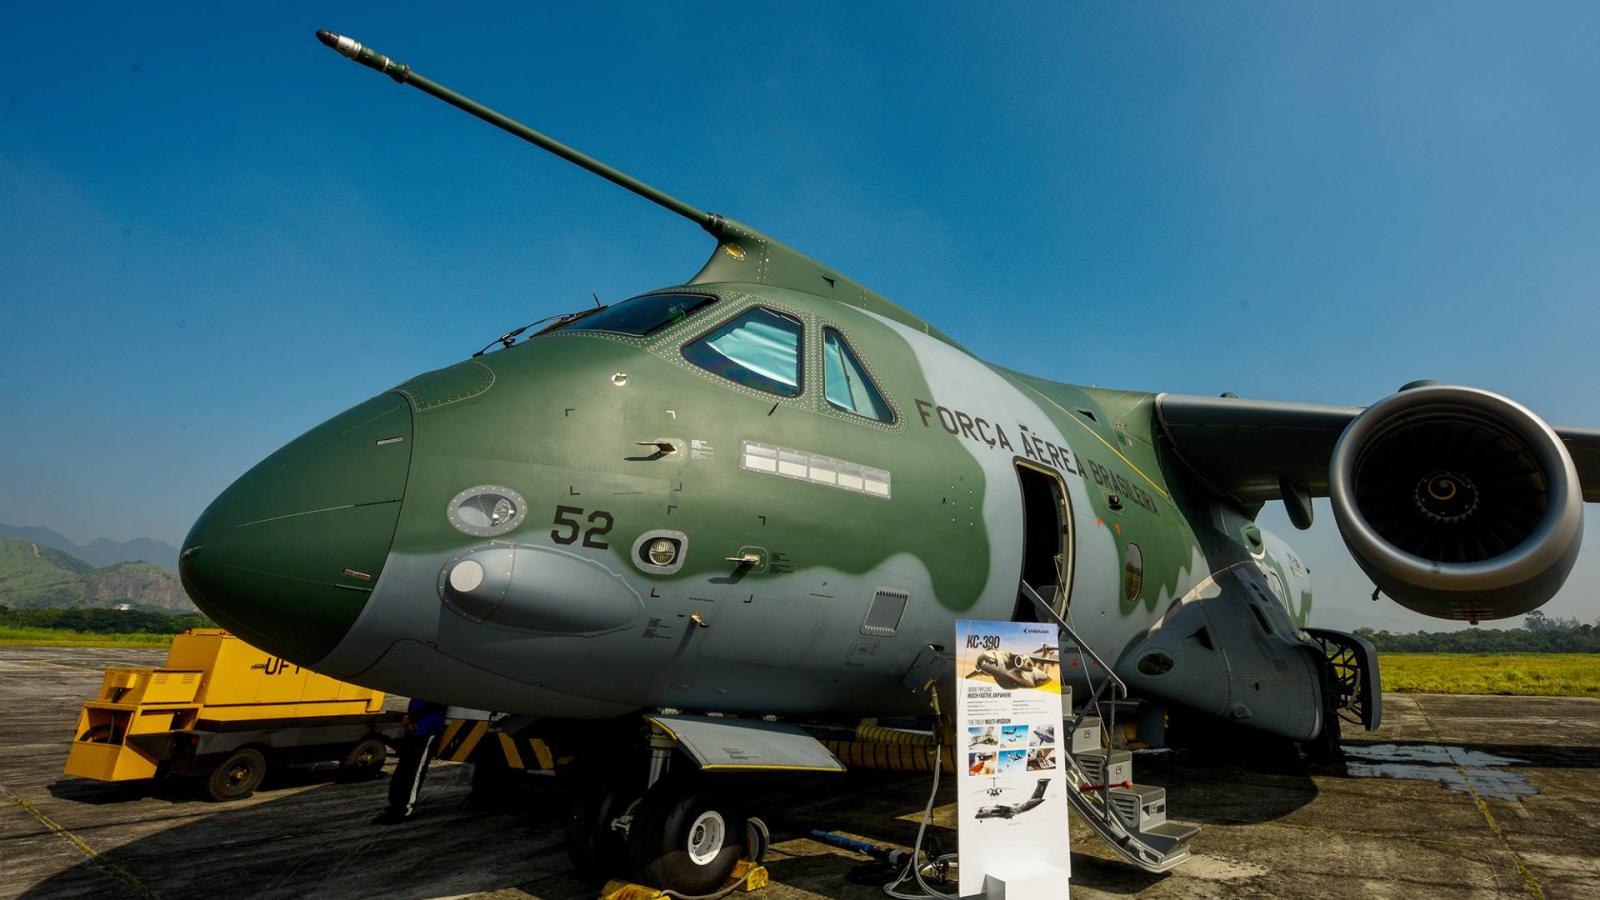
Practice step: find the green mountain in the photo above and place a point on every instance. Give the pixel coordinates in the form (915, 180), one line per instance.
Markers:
(99, 552)
(35, 576)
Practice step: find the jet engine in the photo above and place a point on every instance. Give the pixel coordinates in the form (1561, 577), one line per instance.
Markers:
(1457, 502)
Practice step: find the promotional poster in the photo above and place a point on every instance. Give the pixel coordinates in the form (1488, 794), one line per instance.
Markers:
(1010, 786)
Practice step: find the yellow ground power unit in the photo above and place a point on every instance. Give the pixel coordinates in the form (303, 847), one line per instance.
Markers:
(226, 711)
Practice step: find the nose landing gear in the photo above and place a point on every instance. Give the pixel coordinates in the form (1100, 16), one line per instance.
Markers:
(668, 828)
(686, 834)
(597, 828)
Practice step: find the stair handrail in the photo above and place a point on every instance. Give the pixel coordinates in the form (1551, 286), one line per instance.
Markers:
(1117, 835)
(1042, 606)
(1122, 688)
(1103, 820)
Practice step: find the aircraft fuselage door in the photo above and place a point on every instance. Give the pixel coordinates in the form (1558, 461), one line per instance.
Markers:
(1046, 540)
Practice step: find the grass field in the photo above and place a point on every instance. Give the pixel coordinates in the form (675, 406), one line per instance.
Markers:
(1528, 674)
(55, 637)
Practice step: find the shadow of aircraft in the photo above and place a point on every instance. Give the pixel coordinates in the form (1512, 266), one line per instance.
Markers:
(318, 840)
(315, 837)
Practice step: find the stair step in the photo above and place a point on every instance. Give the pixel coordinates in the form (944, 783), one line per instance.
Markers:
(1106, 766)
(1140, 807)
(1168, 838)
(1086, 736)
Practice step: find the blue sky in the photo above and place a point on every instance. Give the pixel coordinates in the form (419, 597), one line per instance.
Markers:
(215, 233)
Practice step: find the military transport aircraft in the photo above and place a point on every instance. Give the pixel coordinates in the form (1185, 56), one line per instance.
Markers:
(1012, 810)
(1010, 670)
(768, 493)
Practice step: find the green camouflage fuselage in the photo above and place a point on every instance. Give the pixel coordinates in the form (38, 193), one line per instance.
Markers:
(606, 438)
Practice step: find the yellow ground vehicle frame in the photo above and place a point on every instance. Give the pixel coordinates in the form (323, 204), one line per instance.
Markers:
(217, 696)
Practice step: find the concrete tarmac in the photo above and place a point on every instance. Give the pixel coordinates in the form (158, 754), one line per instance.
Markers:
(1454, 797)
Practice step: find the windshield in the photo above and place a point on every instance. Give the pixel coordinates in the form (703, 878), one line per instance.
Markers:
(759, 349)
(641, 315)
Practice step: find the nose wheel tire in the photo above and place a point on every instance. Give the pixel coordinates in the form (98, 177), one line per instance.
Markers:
(238, 776)
(599, 851)
(364, 761)
(686, 836)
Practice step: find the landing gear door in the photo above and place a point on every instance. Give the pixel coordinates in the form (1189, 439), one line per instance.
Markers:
(726, 744)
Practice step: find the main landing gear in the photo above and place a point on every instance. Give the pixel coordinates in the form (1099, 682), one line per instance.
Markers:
(685, 832)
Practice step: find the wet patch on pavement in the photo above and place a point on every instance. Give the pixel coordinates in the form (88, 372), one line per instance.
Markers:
(1457, 768)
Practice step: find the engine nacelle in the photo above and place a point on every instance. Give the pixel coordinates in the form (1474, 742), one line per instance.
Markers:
(1458, 503)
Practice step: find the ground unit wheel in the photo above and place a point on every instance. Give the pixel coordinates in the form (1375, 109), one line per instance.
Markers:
(364, 761)
(599, 851)
(686, 836)
(238, 776)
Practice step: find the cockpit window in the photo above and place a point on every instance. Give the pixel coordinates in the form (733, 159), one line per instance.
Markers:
(848, 387)
(759, 349)
(642, 315)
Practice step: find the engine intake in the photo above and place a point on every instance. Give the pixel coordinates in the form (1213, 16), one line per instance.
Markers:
(1458, 503)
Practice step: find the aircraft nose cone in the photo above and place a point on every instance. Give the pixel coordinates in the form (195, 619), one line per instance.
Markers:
(287, 556)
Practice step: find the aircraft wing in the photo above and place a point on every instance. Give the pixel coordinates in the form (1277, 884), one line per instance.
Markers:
(1584, 445)
(1241, 448)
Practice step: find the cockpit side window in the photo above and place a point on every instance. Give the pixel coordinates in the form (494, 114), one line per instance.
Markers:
(847, 384)
(758, 348)
(642, 315)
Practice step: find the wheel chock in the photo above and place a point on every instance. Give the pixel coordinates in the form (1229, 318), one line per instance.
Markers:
(627, 890)
(750, 876)
(747, 877)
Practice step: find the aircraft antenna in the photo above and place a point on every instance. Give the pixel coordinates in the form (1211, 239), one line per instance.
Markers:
(403, 74)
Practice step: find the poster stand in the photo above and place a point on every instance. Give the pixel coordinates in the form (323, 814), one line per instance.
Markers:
(1011, 786)
(1024, 880)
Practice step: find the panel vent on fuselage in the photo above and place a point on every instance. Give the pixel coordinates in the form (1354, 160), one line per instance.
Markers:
(883, 616)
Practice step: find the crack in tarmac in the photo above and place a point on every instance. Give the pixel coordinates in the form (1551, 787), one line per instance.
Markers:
(105, 865)
(1530, 882)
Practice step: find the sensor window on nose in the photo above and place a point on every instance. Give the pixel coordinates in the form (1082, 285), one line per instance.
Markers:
(660, 552)
(487, 510)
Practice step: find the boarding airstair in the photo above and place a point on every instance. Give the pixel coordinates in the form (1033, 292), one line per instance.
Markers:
(1131, 818)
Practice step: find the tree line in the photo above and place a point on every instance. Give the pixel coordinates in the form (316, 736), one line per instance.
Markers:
(104, 621)
(1539, 634)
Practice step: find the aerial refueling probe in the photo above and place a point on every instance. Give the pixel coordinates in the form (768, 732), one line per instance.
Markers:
(403, 74)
